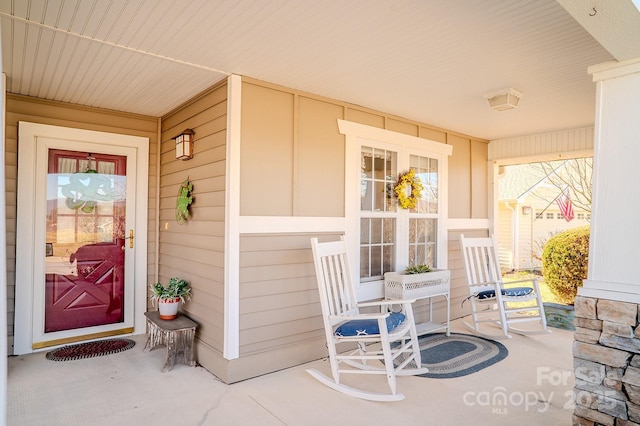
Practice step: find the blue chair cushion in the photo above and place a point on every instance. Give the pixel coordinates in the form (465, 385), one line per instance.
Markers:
(368, 327)
(512, 292)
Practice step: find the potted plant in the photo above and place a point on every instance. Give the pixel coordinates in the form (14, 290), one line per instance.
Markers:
(170, 296)
(420, 282)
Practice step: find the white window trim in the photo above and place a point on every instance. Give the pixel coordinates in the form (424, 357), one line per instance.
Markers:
(357, 135)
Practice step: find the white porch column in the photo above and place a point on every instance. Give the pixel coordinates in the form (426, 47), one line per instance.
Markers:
(614, 254)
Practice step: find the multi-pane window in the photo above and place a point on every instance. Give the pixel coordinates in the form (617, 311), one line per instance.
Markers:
(377, 177)
(422, 241)
(377, 246)
(381, 219)
(580, 216)
(549, 215)
(377, 223)
(423, 220)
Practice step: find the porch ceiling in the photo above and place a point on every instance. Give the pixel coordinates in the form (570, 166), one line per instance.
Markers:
(427, 60)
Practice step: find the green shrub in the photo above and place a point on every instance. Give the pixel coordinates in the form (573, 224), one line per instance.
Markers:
(565, 260)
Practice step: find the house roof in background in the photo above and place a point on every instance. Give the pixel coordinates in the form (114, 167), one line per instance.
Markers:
(426, 60)
(518, 180)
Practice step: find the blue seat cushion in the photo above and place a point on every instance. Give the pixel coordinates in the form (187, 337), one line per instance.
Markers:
(512, 292)
(368, 327)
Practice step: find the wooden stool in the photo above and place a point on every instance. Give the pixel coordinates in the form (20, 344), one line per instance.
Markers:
(177, 335)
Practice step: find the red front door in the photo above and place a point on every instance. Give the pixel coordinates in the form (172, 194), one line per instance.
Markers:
(85, 240)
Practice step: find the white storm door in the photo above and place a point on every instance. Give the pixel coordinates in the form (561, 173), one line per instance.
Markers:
(79, 274)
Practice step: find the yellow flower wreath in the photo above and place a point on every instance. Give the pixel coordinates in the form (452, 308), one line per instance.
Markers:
(406, 199)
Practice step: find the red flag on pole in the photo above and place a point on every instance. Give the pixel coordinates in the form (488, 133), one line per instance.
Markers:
(566, 207)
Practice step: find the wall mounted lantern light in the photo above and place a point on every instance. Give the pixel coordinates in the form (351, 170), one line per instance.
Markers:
(504, 99)
(526, 210)
(184, 145)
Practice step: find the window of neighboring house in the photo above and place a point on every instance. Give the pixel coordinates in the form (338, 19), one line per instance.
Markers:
(559, 216)
(580, 216)
(550, 215)
(539, 216)
(588, 216)
(382, 220)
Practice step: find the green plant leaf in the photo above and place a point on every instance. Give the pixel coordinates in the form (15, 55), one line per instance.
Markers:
(417, 269)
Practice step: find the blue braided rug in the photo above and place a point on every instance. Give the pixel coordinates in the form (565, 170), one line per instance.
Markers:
(458, 355)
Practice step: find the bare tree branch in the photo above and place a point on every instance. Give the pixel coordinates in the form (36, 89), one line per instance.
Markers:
(574, 176)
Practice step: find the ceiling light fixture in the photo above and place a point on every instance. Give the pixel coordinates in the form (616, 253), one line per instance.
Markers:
(504, 99)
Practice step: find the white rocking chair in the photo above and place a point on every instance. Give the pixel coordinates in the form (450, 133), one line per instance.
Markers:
(492, 300)
(381, 339)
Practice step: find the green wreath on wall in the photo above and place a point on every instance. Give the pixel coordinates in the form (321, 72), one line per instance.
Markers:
(184, 201)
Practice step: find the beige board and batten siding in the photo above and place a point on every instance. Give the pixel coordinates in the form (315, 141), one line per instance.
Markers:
(266, 159)
(306, 136)
(292, 154)
(24, 108)
(468, 178)
(194, 250)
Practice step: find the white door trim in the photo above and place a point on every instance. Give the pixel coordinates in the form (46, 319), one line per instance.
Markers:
(28, 191)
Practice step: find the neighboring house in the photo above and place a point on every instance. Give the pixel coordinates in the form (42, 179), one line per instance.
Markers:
(528, 215)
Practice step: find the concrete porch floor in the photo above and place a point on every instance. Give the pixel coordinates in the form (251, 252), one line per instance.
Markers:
(532, 386)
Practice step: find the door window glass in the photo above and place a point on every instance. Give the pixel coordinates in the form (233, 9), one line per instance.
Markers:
(84, 265)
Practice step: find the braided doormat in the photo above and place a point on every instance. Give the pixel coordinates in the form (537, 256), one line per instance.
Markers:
(90, 349)
(457, 355)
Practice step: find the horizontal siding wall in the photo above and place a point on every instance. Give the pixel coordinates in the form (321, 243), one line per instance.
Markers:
(194, 251)
(22, 108)
(280, 317)
(279, 301)
(459, 287)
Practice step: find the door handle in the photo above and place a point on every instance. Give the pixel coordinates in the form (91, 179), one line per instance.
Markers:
(130, 238)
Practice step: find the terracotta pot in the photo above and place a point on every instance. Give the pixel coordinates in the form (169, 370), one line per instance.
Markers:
(168, 308)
